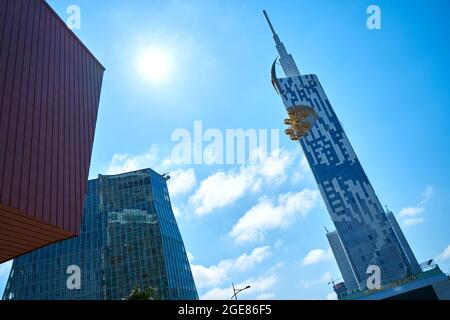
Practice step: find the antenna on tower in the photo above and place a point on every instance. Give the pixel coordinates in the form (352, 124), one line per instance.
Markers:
(333, 282)
(166, 176)
(270, 23)
(287, 62)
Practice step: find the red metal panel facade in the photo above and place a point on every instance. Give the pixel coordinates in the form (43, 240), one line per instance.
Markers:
(49, 94)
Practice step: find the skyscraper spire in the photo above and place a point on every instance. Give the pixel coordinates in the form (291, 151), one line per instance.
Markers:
(287, 61)
(270, 23)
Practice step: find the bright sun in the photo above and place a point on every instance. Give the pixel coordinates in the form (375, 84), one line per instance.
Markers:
(154, 64)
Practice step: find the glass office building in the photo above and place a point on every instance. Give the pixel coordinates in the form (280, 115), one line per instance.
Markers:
(129, 236)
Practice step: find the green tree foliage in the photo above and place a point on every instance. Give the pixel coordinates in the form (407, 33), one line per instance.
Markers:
(138, 294)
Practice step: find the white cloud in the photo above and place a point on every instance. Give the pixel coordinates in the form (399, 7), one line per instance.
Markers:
(176, 211)
(216, 274)
(274, 166)
(325, 278)
(220, 190)
(317, 255)
(332, 296)
(257, 286)
(266, 296)
(445, 254)
(5, 268)
(190, 257)
(121, 163)
(210, 276)
(304, 164)
(181, 181)
(278, 244)
(299, 175)
(218, 294)
(412, 221)
(426, 195)
(268, 214)
(410, 212)
(306, 284)
(262, 283)
(246, 262)
(225, 188)
(410, 216)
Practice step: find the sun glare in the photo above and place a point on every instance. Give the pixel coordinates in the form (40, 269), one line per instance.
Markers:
(154, 64)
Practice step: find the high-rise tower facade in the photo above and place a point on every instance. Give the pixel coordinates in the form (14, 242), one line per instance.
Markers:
(129, 236)
(364, 234)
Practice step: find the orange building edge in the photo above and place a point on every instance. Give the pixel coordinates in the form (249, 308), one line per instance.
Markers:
(20, 233)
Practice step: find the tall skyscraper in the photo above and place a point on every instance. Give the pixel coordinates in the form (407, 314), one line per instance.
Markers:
(129, 237)
(49, 96)
(365, 234)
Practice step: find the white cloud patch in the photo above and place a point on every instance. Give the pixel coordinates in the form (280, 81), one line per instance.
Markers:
(332, 296)
(411, 216)
(216, 274)
(278, 244)
(412, 221)
(299, 175)
(176, 211)
(410, 212)
(325, 278)
(257, 285)
(122, 163)
(218, 294)
(219, 190)
(181, 181)
(190, 257)
(5, 268)
(445, 254)
(225, 188)
(210, 276)
(266, 296)
(268, 214)
(317, 255)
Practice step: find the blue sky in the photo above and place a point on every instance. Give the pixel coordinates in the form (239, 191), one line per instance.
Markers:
(389, 88)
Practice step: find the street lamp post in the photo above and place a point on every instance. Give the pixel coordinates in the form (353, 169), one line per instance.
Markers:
(236, 291)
